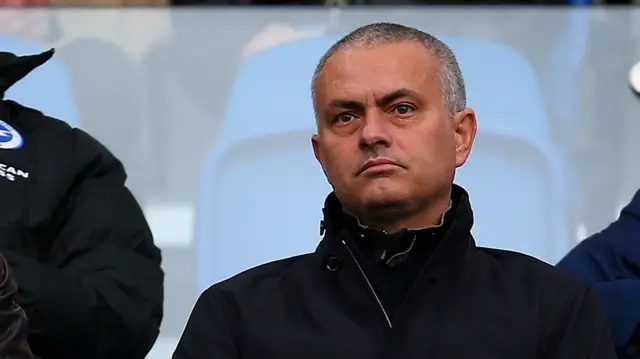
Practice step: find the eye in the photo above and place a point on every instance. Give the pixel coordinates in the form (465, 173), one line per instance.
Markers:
(344, 117)
(403, 109)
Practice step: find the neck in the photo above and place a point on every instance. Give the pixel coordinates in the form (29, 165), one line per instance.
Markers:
(395, 220)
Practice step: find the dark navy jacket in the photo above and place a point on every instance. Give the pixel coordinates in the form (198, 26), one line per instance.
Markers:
(610, 261)
(442, 298)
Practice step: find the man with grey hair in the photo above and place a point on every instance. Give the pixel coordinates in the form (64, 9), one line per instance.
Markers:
(397, 274)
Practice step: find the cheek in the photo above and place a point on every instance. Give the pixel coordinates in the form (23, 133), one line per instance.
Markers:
(436, 152)
(337, 163)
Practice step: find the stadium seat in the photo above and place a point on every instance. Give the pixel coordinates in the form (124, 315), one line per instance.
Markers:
(515, 175)
(261, 173)
(47, 88)
(562, 76)
(261, 190)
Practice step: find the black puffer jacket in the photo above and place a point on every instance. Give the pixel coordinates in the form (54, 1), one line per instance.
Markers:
(87, 269)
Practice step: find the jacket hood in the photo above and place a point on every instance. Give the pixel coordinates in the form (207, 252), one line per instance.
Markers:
(14, 68)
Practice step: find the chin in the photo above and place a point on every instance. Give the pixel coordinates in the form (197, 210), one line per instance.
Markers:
(385, 195)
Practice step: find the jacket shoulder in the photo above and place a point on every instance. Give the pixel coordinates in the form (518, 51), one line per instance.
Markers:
(551, 293)
(40, 130)
(534, 273)
(259, 277)
(30, 120)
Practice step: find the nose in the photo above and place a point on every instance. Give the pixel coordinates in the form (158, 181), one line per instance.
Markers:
(374, 131)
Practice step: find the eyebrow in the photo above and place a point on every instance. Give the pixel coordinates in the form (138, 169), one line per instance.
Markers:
(381, 102)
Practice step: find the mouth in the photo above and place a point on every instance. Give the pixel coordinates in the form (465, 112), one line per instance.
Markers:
(378, 165)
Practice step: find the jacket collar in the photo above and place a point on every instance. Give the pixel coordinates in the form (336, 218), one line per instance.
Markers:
(456, 240)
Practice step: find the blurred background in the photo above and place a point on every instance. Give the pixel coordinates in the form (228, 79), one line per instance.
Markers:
(207, 104)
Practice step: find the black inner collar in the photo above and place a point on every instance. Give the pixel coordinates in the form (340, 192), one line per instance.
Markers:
(380, 247)
(394, 261)
(435, 249)
(392, 249)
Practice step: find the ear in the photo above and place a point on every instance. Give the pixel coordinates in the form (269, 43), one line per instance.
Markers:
(464, 127)
(317, 150)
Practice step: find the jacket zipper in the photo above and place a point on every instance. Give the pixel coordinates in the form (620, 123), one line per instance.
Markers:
(366, 279)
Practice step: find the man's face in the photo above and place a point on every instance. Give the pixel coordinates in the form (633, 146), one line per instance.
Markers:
(385, 139)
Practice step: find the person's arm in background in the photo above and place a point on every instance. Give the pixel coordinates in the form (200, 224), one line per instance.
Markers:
(610, 262)
(100, 293)
(621, 303)
(14, 328)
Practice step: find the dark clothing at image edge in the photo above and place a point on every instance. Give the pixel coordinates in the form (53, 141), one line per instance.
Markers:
(83, 256)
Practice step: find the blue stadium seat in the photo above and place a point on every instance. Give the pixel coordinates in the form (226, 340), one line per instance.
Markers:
(47, 88)
(262, 174)
(515, 175)
(562, 76)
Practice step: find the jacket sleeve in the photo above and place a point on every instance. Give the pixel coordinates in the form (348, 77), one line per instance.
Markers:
(99, 293)
(610, 262)
(621, 304)
(13, 322)
(210, 330)
(584, 332)
(613, 253)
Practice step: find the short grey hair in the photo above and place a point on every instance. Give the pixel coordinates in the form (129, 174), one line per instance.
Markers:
(451, 79)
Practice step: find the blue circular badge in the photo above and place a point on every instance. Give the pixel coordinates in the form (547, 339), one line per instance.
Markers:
(10, 139)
